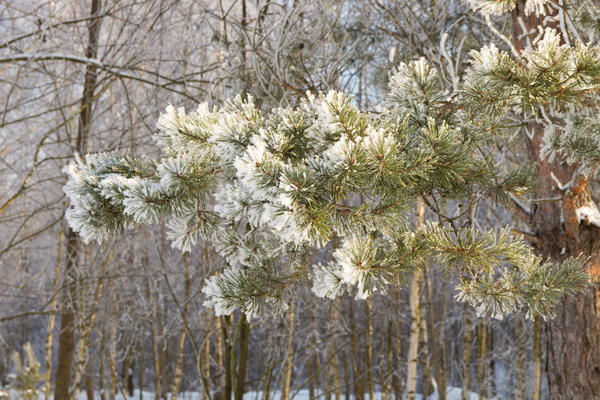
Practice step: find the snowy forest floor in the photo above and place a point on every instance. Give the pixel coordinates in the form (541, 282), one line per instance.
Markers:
(454, 393)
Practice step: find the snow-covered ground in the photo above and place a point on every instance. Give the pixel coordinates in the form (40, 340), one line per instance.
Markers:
(454, 393)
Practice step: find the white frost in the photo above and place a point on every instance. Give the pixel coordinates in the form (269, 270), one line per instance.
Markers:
(589, 215)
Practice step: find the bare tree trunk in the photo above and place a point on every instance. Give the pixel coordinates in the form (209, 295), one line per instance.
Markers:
(386, 385)
(520, 358)
(102, 382)
(205, 356)
(66, 337)
(242, 359)
(425, 359)
(220, 378)
(89, 378)
(413, 343)
(441, 380)
(481, 362)
(112, 356)
(415, 321)
(397, 340)
(128, 373)
(369, 352)
(87, 319)
(141, 368)
(52, 319)
(289, 354)
(182, 331)
(490, 364)
(227, 340)
(347, 386)
(358, 379)
(337, 379)
(432, 322)
(155, 350)
(537, 359)
(310, 372)
(467, 354)
(572, 374)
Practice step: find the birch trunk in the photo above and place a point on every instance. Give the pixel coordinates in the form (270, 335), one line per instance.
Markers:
(397, 340)
(289, 354)
(415, 321)
(386, 384)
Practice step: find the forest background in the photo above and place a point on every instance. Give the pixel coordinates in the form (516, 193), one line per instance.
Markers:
(91, 76)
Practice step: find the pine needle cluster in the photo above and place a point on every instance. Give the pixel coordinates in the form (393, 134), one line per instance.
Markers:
(270, 189)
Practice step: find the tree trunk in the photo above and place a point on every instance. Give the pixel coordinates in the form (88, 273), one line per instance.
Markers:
(369, 352)
(182, 330)
(482, 355)
(141, 368)
(102, 382)
(425, 357)
(337, 380)
(467, 354)
(52, 319)
(89, 379)
(573, 336)
(441, 376)
(219, 393)
(520, 358)
(386, 384)
(433, 321)
(227, 357)
(415, 322)
(244, 329)
(112, 357)
(358, 380)
(289, 354)
(537, 359)
(66, 336)
(397, 339)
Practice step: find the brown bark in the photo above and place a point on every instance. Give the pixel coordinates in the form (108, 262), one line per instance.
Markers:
(244, 332)
(66, 334)
(227, 340)
(573, 337)
(537, 359)
(520, 358)
(397, 339)
(66, 337)
(358, 380)
(369, 352)
(482, 356)
(178, 368)
(102, 383)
